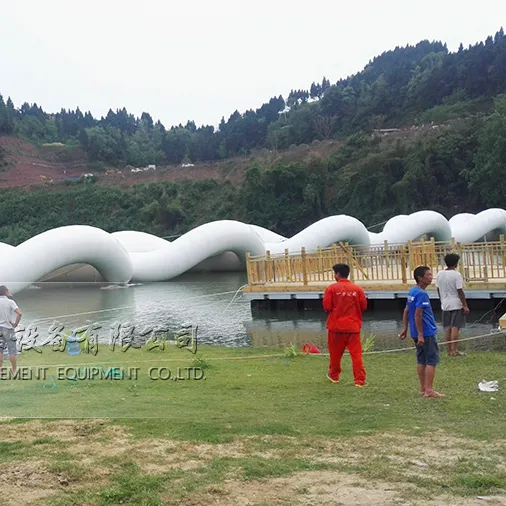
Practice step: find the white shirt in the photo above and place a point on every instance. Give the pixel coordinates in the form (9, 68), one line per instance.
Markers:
(448, 282)
(7, 312)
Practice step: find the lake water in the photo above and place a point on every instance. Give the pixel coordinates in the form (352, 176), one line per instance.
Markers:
(206, 301)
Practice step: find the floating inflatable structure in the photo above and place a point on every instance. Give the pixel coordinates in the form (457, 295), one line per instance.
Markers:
(127, 256)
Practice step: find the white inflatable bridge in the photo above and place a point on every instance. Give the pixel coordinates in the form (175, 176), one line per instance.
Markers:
(127, 256)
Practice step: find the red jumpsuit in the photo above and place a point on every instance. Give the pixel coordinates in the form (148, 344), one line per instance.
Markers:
(345, 302)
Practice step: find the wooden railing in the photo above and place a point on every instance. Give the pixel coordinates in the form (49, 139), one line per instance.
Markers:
(389, 262)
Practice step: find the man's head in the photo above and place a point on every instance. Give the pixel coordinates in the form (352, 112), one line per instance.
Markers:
(423, 275)
(452, 260)
(341, 271)
(4, 290)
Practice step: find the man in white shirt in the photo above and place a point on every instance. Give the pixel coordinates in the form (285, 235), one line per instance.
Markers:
(10, 315)
(453, 302)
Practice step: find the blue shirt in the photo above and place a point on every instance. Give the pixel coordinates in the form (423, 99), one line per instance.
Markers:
(420, 298)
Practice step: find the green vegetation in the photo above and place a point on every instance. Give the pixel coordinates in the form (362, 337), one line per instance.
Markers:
(395, 88)
(253, 420)
(3, 163)
(455, 168)
(243, 391)
(455, 165)
(159, 208)
(367, 342)
(271, 429)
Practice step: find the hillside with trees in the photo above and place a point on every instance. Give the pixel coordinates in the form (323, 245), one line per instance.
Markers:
(449, 155)
(395, 88)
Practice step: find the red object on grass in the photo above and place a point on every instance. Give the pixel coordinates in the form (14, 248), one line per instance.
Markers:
(310, 348)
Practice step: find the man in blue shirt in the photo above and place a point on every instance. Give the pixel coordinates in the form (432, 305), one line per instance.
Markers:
(422, 327)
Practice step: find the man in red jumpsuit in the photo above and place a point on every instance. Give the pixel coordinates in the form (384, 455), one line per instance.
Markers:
(345, 302)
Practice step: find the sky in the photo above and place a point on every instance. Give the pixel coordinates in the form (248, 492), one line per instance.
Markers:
(203, 59)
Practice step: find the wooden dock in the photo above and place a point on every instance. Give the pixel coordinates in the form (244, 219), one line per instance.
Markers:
(384, 272)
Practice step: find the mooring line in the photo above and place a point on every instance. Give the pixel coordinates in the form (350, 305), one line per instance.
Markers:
(131, 307)
(163, 360)
(275, 355)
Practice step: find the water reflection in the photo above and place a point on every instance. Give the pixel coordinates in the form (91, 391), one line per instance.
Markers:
(283, 327)
(205, 300)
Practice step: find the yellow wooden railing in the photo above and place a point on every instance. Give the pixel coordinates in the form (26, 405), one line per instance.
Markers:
(389, 262)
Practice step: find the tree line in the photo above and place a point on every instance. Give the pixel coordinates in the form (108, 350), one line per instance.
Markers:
(457, 168)
(401, 86)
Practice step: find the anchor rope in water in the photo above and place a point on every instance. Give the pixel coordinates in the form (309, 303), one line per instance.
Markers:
(49, 318)
(236, 292)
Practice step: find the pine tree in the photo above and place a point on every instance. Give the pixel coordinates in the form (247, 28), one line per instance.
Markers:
(313, 91)
(147, 119)
(83, 139)
(325, 85)
(3, 116)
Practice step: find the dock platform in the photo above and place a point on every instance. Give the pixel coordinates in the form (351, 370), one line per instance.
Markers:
(385, 273)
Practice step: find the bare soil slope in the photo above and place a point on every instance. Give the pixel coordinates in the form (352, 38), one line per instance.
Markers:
(31, 165)
(26, 163)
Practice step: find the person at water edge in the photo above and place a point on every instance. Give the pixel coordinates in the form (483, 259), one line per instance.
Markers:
(422, 327)
(344, 302)
(454, 307)
(10, 316)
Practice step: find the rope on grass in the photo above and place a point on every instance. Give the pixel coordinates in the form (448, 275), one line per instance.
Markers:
(157, 361)
(119, 417)
(497, 333)
(408, 348)
(248, 357)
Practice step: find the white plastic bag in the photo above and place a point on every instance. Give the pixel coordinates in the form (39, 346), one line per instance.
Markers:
(488, 386)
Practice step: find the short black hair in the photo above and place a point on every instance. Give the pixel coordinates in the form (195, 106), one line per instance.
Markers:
(452, 260)
(420, 271)
(342, 269)
(3, 290)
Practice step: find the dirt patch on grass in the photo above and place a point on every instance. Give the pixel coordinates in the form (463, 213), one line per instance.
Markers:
(24, 482)
(320, 488)
(66, 456)
(68, 431)
(308, 488)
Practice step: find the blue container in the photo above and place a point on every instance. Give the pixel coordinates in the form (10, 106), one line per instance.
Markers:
(73, 345)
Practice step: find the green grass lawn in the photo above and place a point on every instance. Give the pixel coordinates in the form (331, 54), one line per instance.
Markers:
(252, 394)
(269, 395)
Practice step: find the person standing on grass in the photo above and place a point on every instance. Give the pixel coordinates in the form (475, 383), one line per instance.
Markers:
(345, 302)
(453, 302)
(10, 315)
(422, 327)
